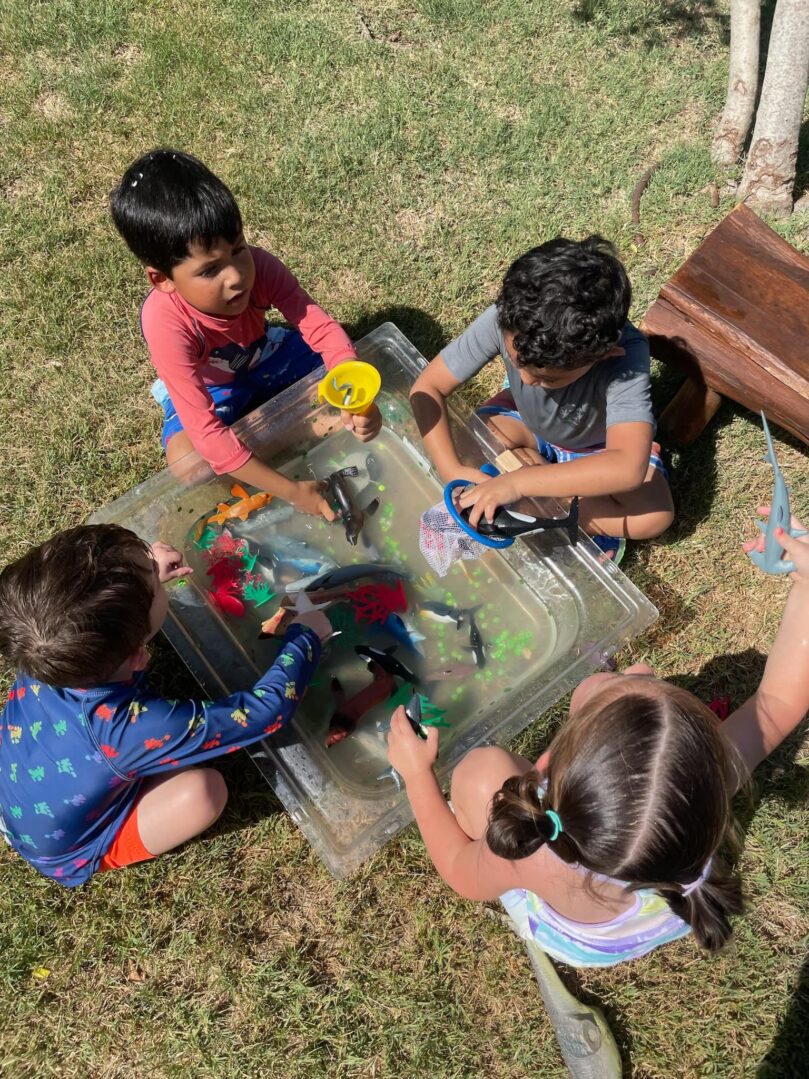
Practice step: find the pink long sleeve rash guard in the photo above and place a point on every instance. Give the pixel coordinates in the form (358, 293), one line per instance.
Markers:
(180, 339)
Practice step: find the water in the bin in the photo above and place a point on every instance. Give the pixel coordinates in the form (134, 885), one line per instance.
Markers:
(517, 630)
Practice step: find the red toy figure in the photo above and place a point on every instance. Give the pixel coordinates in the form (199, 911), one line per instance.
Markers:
(347, 714)
(374, 602)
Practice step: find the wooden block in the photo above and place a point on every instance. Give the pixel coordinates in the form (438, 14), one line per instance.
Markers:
(688, 413)
(735, 317)
(511, 460)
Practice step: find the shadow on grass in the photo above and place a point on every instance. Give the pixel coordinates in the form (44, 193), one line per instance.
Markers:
(654, 24)
(788, 1054)
(419, 328)
(692, 469)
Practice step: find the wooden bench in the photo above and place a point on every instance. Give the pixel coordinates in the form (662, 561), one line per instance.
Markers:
(735, 319)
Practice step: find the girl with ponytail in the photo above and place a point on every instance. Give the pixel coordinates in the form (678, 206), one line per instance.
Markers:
(621, 838)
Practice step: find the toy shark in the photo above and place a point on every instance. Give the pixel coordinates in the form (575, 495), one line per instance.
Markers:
(771, 559)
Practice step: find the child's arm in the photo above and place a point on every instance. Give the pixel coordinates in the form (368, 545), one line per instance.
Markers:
(458, 362)
(782, 699)
(276, 286)
(467, 865)
(147, 735)
(428, 399)
(619, 468)
(305, 495)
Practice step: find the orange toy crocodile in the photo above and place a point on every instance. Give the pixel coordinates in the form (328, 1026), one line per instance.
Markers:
(242, 509)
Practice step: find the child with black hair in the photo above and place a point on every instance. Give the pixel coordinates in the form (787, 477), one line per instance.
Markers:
(203, 320)
(93, 765)
(621, 837)
(578, 401)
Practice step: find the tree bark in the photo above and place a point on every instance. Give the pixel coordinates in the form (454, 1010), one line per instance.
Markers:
(745, 32)
(769, 175)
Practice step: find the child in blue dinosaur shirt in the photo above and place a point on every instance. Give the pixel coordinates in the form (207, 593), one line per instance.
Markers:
(93, 765)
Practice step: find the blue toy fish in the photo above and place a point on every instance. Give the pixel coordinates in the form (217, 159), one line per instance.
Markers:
(401, 631)
(771, 559)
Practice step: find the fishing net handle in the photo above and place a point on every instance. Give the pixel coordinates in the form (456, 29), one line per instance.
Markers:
(452, 509)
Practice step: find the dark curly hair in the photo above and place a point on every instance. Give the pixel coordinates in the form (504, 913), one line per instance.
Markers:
(565, 301)
(74, 608)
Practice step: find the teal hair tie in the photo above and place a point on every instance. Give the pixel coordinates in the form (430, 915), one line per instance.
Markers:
(557, 824)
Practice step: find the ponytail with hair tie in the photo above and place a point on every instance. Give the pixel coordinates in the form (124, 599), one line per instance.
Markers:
(519, 822)
(688, 889)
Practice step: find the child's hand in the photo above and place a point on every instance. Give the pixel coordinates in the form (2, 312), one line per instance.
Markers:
(796, 548)
(308, 498)
(366, 425)
(485, 499)
(169, 562)
(315, 620)
(471, 475)
(409, 754)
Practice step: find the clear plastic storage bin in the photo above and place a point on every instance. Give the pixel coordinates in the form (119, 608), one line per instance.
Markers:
(550, 610)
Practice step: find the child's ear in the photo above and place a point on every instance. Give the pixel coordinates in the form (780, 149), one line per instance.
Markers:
(157, 279)
(140, 659)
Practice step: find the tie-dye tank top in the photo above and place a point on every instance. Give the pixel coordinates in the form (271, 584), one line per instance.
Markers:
(648, 923)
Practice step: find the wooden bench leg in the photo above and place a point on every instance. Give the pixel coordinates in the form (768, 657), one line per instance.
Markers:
(688, 413)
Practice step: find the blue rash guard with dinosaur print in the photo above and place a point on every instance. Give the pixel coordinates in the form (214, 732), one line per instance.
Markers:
(72, 761)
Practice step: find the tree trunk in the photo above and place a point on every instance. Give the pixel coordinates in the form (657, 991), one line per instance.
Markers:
(745, 31)
(769, 175)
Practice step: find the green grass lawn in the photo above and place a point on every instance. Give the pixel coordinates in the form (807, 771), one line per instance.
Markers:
(397, 156)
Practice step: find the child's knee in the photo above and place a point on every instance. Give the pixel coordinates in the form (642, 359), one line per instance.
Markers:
(477, 777)
(651, 524)
(206, 794)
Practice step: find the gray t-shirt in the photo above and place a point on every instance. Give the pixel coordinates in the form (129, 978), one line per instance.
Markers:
(576, 416)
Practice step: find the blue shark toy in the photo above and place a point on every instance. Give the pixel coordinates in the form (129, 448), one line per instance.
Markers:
(771, 559)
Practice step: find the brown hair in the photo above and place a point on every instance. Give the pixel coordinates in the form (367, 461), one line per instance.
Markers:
(74, 608)
(637, 777)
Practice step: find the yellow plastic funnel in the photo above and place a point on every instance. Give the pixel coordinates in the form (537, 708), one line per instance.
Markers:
(350, 386)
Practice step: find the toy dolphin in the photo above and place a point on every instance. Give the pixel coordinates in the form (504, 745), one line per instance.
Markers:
(771, 559)
(255, 528)
(334, 578)
(353, 518)
(387, 661)
(242, 509)
(442, 612)
(413, 713)
(476, 643)
(507, 524)
(348, 713)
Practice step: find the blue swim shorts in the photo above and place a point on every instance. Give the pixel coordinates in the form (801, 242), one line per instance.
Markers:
(285, 359)
(502, 404)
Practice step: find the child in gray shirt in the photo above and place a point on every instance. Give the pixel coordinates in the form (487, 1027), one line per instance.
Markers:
(578, 398)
